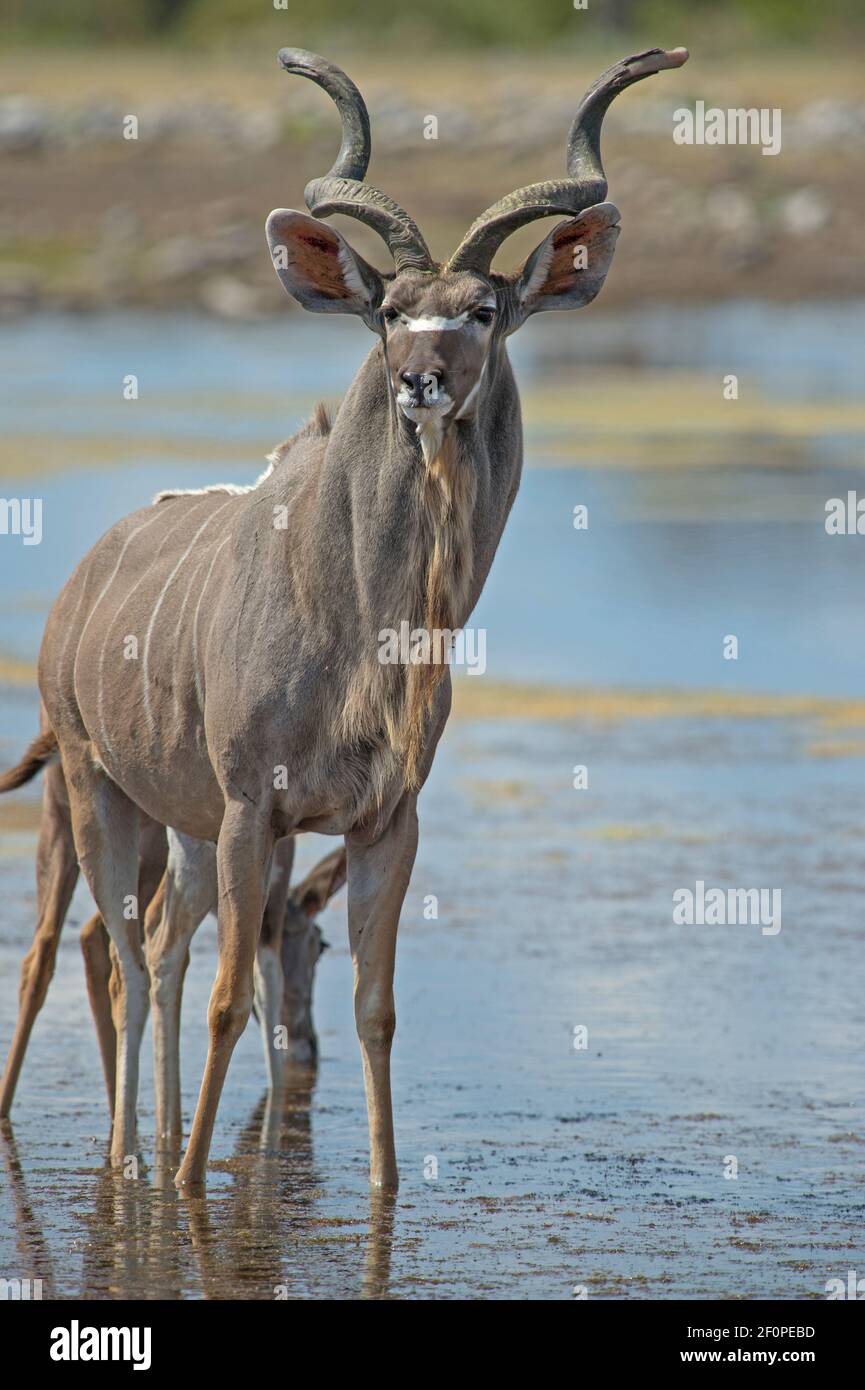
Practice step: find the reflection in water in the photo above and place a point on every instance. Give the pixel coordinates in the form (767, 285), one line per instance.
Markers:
(379, 1245)
(31, 1245)
(260, 1240)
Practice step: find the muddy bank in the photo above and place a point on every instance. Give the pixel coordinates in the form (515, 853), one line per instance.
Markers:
(173, 218)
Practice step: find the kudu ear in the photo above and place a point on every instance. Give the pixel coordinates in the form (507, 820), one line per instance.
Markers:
(315, 891)
(569, 267)
(319, 269)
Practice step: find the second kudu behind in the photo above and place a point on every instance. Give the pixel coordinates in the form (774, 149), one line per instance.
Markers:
(258, 706)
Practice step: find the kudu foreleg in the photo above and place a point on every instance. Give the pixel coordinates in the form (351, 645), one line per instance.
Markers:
(243, 861)
(378, 876)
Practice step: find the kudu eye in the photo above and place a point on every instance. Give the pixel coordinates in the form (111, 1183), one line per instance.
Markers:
(389, 313)
(485, 314)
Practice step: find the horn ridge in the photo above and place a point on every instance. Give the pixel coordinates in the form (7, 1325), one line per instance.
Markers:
(343, 188)
(585, 183)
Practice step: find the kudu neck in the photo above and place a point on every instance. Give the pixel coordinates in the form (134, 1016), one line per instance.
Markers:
(375, 465)
(416, 540)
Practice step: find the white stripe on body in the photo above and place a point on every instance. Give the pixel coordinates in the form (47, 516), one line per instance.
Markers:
(199, 692)
(112, 620)
(149, 633)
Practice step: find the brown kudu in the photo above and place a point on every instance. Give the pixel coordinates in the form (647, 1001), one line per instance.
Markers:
(258, 705)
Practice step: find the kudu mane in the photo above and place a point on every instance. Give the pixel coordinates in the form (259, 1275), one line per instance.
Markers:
(394, 700)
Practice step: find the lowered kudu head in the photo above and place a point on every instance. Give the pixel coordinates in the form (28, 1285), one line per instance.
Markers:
(440, 323)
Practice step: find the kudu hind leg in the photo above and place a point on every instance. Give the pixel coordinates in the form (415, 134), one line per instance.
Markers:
(105, 825)
(187, 893)
(56, 876)
(243, 860)
(378, 876)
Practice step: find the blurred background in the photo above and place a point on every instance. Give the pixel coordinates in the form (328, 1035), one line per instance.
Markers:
(176, 219)
(147, 258)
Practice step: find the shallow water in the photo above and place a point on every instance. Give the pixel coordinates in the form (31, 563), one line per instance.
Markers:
(673, 560)
(556, 1169)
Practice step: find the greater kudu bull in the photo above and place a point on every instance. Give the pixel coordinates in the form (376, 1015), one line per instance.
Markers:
(257, 705)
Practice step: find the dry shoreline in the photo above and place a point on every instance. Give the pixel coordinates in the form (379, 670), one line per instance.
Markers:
(174, 219)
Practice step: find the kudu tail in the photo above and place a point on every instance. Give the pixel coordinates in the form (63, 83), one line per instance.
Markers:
(41, 751)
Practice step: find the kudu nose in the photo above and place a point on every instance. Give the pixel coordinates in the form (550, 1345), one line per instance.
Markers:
(424, 386)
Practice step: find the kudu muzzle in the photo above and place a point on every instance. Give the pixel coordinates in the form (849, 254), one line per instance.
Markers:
(420, 388)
